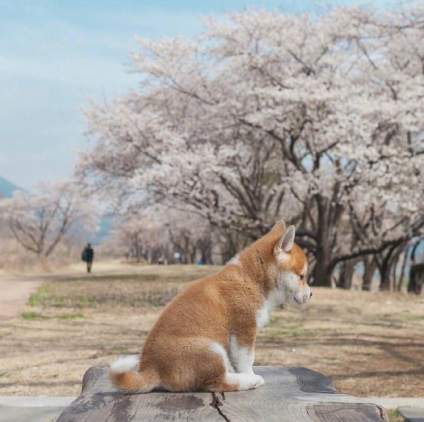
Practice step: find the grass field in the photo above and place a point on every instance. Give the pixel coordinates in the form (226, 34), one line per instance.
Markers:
(369, 344)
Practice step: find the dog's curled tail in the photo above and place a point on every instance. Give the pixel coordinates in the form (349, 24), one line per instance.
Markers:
(125, 375)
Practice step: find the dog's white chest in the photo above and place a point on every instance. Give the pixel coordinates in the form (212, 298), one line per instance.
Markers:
(263, 314)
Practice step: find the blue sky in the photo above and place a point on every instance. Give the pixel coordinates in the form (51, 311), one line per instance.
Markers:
(57, 55)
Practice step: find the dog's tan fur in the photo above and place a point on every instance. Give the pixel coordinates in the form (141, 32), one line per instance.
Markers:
(211, 326)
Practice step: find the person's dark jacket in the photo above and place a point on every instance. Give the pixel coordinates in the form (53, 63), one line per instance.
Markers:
(87, 254)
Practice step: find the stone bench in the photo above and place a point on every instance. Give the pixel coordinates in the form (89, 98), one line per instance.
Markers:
(289, 395)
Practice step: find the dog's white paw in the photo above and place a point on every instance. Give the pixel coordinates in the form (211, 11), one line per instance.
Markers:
(245, 381)
(258, 381)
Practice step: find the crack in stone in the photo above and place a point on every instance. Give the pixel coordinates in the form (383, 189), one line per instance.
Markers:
(382, 413)
(216, 403)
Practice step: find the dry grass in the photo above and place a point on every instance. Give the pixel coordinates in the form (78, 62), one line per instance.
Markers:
(370, 344)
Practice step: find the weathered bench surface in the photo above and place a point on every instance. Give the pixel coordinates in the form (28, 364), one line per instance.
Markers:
(289, 395)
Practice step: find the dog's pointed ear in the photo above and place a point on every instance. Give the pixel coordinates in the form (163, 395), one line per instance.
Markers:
(286, 242)
(280, 226)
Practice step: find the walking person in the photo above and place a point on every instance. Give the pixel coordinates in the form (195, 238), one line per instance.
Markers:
(88, 256)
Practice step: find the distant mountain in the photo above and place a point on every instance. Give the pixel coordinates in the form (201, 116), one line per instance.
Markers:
(7, 188)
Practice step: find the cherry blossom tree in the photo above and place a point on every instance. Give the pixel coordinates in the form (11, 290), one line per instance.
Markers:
(318, 120)
(129, 236)
(40, 221)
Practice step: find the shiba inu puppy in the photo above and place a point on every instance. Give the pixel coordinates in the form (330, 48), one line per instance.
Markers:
(204, 340)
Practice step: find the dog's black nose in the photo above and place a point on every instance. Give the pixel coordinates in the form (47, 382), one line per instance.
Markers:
(310, 294)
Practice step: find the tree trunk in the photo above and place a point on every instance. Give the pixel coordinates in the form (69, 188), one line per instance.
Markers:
(403, 283)
(385, 269)
(370, 265)
(416, 280)
(346, 276)
(322, 270)
(205, 252)
(193, 254)
(385, 276)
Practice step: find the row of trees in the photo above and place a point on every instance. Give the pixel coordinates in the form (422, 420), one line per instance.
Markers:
(159, 234)
(319, 120)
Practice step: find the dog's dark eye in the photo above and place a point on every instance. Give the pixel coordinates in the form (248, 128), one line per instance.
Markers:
(302, 276)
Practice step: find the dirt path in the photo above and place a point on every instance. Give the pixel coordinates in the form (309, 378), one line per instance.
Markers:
(14, 293)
